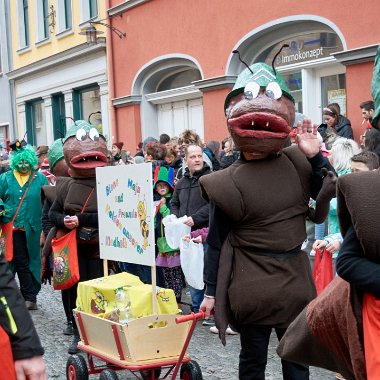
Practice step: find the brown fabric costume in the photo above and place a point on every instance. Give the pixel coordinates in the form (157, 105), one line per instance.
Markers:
(260, 210)
(72, 194)
(328, 333)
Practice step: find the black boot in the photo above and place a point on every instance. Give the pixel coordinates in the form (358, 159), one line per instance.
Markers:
(73, 348)
(69, 329)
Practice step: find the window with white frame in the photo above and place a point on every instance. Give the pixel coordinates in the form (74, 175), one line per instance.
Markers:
(89, 9)
(42, 26)
(64, 15)
(23, 23)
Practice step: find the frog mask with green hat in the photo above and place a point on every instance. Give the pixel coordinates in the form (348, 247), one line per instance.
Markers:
(260, 110)
(84, 149)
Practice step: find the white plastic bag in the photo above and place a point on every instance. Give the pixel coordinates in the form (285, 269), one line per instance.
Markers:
(192, 263)
(175, 230)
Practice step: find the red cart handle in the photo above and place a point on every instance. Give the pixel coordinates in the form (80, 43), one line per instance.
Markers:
(185, 318)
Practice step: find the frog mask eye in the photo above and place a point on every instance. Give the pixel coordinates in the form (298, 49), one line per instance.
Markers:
(81, 134)
(251, 90)
(273, 91)
(94, 134)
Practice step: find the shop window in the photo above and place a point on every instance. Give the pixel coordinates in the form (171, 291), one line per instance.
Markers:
(294, 83)
(181, 79)
(35, 123)
(333, 90)
(86, 103)
(59, 116)
(23, 23)
(64, 15)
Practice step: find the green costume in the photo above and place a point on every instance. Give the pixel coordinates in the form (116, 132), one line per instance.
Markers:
(376, 90)
(29, 215)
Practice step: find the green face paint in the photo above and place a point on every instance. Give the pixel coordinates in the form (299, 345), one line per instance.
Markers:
(23, 167)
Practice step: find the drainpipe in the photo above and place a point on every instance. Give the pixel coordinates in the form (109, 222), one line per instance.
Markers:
(111, 79)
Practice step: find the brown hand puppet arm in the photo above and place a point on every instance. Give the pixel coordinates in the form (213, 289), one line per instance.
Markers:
(327, 192)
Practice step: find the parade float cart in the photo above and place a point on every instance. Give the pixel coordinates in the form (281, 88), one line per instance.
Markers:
(151, 346)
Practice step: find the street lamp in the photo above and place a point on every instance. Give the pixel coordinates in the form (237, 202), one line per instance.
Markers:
(92, 34)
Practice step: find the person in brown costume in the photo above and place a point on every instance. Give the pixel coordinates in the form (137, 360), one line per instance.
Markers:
(340, 329)
(257, 278)
(84, 150)
(329, 332)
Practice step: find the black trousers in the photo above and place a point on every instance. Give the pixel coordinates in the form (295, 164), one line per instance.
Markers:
(254, 341)
(20, 262)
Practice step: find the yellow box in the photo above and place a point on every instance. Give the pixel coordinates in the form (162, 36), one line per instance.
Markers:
(98, 296)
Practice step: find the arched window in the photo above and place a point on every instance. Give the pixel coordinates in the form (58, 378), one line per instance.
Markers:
(180, 79)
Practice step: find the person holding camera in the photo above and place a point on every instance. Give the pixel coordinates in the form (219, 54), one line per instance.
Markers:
(116, 153)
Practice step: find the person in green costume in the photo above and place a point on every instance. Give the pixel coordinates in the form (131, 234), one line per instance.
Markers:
(23, 178)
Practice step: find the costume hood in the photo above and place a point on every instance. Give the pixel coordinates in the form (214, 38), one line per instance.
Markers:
(262, 75)
(55, 153)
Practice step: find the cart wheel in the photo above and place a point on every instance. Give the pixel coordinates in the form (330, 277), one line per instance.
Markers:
(108, 374)
(191, 371)
(76, 368)
(146, 373)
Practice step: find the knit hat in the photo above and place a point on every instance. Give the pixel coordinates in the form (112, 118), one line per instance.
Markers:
(162, 174)
(119, 145)
(55, 153)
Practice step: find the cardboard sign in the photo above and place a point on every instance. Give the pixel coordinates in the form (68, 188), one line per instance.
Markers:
(125, 209)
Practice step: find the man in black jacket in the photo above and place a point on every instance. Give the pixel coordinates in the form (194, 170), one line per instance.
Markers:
(24, 358)
(187, 200)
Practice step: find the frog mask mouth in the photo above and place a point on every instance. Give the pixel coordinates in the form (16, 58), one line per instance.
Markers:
(260, 125)
(88, 160)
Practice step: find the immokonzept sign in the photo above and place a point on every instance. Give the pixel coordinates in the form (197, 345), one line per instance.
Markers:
(309, 47)
(300, 56)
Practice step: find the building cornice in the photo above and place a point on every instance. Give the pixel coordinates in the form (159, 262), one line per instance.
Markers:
(225, 81)
(76, 52)
(125, 101)
(359, 55)
(127, 5)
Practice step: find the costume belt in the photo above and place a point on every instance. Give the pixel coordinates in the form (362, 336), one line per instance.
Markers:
(277, 254)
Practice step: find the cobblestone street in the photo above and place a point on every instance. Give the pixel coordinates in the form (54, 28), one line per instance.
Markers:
(217, 362)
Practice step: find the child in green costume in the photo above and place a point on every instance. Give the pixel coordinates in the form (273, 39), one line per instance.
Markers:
(167, 258)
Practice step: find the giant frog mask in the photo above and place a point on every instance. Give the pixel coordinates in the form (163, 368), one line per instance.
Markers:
(84, 149)
(260, 110)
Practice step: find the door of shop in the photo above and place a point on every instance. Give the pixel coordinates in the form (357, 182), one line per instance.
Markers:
(175, 117)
